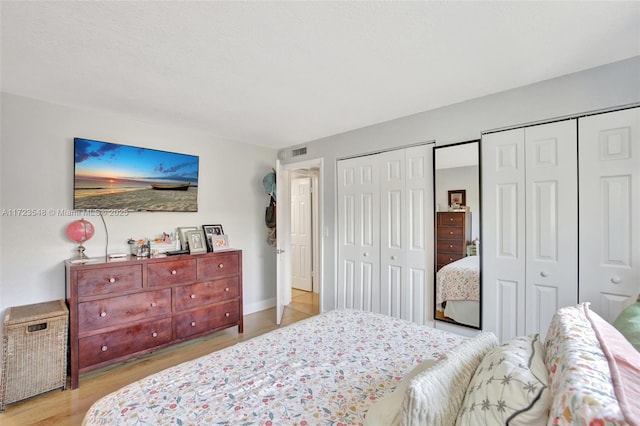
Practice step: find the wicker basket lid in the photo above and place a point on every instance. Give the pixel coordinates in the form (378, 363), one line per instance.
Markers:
(37, 311)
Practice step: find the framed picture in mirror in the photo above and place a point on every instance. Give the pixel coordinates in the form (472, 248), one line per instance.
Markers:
(457, 197)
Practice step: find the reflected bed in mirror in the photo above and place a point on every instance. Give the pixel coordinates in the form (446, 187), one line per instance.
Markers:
(457, 231)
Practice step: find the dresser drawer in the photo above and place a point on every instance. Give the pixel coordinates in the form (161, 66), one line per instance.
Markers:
(450, 219)
(194, 295)
(218, 266)
(444, 258)
(103, 313)
(171, 272)
(206, 319)
(451, 246)
(109, 280)
(450, 233)
(107, 346)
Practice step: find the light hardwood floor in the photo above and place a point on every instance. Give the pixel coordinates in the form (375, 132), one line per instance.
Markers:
(69, 407)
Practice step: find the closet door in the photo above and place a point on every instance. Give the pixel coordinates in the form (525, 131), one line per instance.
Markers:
(551, 228)
(529, 242)
(405, 177)
(503, 233)
(610, 211)
(359, 234)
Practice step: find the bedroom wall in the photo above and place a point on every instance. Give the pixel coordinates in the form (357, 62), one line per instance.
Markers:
(36, 157)
(466, 178)
(607, 86)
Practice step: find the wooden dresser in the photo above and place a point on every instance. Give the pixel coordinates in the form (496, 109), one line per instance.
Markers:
(453, 233)
(119, 309)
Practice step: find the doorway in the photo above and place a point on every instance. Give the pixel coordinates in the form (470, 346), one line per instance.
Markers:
(304, 238)
(302, 243)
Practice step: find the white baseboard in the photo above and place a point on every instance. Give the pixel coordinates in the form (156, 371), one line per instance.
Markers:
(258, 306)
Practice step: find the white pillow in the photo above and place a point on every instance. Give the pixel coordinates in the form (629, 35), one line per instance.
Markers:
(434, 396)
(386, 410)
(510, 387)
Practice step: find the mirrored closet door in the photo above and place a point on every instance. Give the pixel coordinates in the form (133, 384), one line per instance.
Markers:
(457, 232)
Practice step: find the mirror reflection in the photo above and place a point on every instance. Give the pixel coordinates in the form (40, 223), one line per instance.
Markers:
(457, 231)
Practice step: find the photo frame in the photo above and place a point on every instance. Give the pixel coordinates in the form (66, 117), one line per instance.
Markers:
(209, 232)
(197, 242)
(219, 242)
(182, 235)
(457, 197)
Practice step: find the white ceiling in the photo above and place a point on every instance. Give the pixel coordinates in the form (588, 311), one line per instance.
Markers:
(282, 73)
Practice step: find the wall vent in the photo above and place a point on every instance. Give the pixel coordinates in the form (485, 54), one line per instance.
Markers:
(298, 151)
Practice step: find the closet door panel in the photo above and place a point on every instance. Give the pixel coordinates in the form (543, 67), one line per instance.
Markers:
(358, 228)
(392, 232)
(551, 229)
(609, 210)
(418, 216)
(502, 245)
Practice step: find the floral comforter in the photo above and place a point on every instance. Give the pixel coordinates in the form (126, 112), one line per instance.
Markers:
(459, 280)
(326, 370)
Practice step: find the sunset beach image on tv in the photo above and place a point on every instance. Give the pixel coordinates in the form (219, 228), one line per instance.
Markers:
(113, 176)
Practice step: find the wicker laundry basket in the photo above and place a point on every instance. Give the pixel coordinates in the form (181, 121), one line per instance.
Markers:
(34, 346)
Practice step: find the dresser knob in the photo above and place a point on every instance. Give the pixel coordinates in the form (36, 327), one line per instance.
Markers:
(221, 265)
(450, 245)
(226, 289)
(153, 304)
(450, 219)
(104, 348)
(450, 232)
(193, 323)
(393, 258)
(450, 259)
(112, 280)
(544, 274)
(193, 296)
(227, 315)
(616, 279)
(103, 314)
(154, 334)
(173, 272)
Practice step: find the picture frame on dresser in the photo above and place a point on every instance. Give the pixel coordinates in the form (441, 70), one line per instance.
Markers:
(209, 232)
(219, 242)
(182, 235)
(197, 241)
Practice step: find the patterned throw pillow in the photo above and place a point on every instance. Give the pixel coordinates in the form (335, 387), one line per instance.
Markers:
(509, 387)
(434, 396)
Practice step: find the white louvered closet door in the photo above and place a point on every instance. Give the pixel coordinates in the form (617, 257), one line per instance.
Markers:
(551, 222)
(359, 234)
(406, 199)
(610, 210)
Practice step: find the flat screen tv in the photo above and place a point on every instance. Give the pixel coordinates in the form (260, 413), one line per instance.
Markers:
(109, 176)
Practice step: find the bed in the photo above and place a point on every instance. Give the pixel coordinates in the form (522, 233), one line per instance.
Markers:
(458, 290)
(327, 369)
(349, 367)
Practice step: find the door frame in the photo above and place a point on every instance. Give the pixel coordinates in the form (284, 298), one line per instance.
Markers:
(283, 216)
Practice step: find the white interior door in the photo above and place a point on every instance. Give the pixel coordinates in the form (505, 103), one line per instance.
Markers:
(551, 227)
(283, 236)
(503, 230)
(358, 234)
(301, 241)
(609, 210)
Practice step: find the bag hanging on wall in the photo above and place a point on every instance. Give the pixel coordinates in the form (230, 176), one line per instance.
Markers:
(270, 214)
